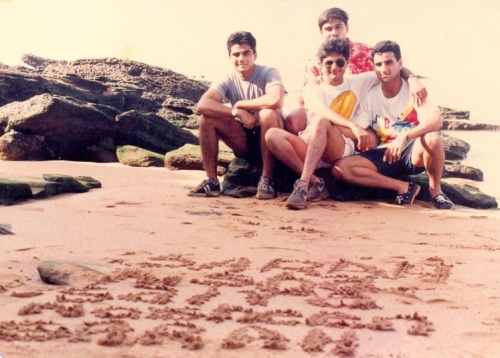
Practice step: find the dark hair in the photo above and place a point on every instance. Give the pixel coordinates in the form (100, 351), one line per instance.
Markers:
(387, 46)
(334, 44)
(241, 37)
(333, 13)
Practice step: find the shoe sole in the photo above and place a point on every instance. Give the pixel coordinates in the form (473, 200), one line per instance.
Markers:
(265, 196)
(210, 194)
(294, 206)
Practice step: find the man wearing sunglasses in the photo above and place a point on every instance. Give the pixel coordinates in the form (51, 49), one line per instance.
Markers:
(330, 134)
(334, 22)
(255, 94)
(409, 139)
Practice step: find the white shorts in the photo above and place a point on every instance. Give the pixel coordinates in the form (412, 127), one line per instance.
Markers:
(349, 147)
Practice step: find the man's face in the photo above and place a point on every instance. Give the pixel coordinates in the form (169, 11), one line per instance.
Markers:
(243, 58)
(387, 67)
(334, 28)
(333, 67)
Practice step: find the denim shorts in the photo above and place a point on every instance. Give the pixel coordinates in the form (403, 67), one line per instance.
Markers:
(397, 169)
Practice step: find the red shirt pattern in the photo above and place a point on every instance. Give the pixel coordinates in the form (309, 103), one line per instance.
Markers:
(360, 61)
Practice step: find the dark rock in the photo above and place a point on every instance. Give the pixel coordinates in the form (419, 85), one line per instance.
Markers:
(461, 125)
(448, 113)
(14, 188)
(462, 171)
(454, 148)
(151, 132)
(21, 146)
(138, 157)
(68, 125)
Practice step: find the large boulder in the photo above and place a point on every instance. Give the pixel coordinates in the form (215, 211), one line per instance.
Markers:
(151, 132)
(68, 125)
(20, 146)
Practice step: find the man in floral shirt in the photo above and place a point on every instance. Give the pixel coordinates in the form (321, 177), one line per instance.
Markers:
(334, 22)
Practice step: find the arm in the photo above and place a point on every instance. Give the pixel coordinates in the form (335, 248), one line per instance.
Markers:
(210, 105)
(417, 89)
(273, 99)
(429, 121)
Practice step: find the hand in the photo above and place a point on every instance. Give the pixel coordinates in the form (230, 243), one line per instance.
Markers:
(363, 138)
(417, 90)
(395, 149)
(247, 119)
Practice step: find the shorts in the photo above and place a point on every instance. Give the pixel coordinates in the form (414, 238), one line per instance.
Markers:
(349, 147)
(398, 169)
(254, 153)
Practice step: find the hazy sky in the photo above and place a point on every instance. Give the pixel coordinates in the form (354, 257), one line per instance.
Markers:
(454, 42)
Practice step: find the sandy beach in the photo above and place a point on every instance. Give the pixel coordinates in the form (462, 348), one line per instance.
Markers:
(161, 274)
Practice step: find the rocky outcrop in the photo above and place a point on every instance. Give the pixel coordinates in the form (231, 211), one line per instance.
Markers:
(15, 189)
(467, 126)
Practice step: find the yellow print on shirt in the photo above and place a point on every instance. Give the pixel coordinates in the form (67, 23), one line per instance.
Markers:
(344, 104)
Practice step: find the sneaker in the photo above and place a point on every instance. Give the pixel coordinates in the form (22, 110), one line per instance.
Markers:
(206, 188)
(317, 191)
(265, 189)
(298, 199)
(442, 202)
(408, 197)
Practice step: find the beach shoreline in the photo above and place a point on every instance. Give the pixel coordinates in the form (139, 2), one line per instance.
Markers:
(400, 281)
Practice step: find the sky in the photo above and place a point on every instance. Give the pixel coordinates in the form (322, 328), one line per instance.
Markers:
(454, 43)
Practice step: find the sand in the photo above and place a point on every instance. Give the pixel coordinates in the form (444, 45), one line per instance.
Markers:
(161, 274)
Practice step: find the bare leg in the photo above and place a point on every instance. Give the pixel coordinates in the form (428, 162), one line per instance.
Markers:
(428, 152)
(268, 119)
(288, 148)
(229, 131)
(296, 121)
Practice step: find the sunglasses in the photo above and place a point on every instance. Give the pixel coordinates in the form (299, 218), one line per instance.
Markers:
(339, 62)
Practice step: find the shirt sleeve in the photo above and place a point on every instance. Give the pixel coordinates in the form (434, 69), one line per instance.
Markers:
(273, 77)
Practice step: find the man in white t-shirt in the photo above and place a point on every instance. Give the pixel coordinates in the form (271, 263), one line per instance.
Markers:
(409, 139)
(255, 94)
(330, 133)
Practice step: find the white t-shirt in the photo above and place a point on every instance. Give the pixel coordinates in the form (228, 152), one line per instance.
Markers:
(342, 99)
(390, 117)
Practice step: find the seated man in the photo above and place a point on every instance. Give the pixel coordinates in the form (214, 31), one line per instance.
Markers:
(256, 94)
(334, 22)
(410, 143)
(331, 134)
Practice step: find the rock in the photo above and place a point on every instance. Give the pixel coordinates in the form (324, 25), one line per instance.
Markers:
(14, 188)
(457, 170)
(138, 157)
(188, 157)
(68, 125)
(67, 273)
(461, 125)
(448, 113)
(151, 132)
(20, 146)
(454, 148)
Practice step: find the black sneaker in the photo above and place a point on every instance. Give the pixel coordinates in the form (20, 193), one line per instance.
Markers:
(298, 199)
(206, 188)
(265, 189)
(408, 197)
(442, 202)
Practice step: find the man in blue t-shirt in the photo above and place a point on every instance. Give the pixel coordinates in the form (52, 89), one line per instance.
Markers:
(255, 94)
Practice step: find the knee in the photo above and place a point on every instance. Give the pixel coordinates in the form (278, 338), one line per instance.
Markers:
(341, 171)
(272, 137)
(432, 141)
(296, 121)
(269, 118)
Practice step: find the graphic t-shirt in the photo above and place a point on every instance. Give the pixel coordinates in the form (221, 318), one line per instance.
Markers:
(233, 88)
(343, 99)
(390, 117)
(360, 61)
